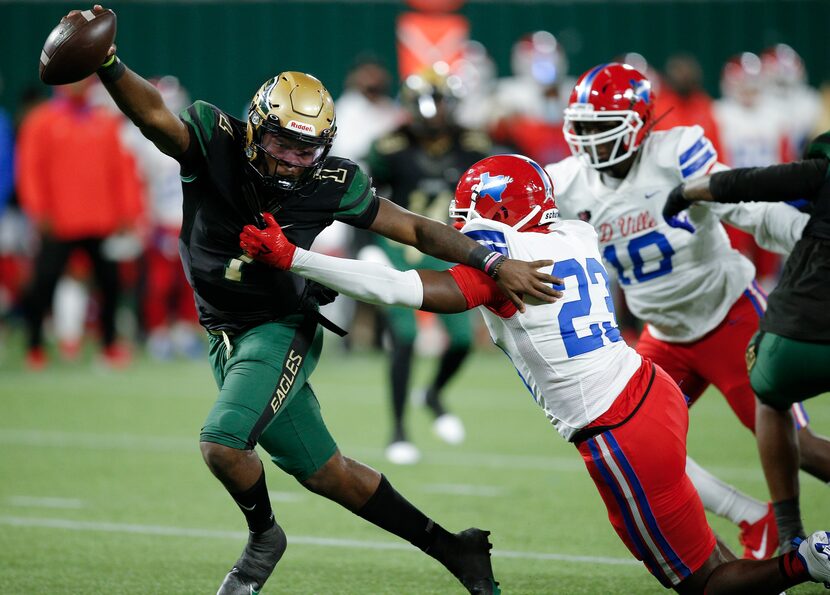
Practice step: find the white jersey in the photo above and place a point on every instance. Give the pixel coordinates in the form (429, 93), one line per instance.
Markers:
(681, 284)
(570, 353)
(751, 136)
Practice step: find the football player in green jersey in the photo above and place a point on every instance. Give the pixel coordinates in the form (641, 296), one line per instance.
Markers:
(420, 163)
(787, 359)
(263, 324)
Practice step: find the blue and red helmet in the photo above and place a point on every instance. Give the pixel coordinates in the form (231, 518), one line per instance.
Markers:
(511, 189)
(614, 94)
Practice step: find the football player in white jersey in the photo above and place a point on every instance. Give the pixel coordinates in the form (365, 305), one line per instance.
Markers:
(625, 415)
(696, 294)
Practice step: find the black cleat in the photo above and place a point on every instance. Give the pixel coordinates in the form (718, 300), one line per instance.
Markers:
(257, 562)
(467, 556)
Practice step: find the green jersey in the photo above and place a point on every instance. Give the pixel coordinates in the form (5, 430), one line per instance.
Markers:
(233, 292)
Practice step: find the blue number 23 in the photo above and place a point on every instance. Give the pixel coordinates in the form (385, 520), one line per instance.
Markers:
(574, 344)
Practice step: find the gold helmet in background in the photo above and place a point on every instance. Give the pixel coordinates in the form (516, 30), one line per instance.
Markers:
(431, 98)
(293, 114)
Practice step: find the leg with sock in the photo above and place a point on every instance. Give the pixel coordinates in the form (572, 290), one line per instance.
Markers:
(759, 534)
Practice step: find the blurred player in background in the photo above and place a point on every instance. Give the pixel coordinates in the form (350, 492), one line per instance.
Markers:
(625, 415)
(57, 190)
(695, 293)
(419, 163)
(682, 100)
(754, 132)
(263, 324)
(786, 88)
(787, 358)
(168, 310)
(527, 107)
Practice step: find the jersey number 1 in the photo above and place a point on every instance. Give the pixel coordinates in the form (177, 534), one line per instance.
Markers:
(574, 344)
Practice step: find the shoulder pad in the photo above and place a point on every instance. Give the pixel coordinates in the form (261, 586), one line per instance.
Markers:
(686, 149)
(207, 121)
(564, 172)
(339, 170)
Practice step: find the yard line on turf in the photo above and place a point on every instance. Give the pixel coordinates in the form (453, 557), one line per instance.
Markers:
(158, 530)
(168, 444)
(40, 502)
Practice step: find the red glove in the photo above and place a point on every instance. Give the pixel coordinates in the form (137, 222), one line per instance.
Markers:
(268, 245)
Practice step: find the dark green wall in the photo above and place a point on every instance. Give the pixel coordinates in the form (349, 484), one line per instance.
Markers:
(223, 50)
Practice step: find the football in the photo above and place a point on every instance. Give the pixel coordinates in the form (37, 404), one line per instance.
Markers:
(77, 46)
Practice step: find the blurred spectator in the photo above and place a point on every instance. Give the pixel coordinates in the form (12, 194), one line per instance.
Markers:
(79, 187)
(785, 85)
(753, 133)
(166, 302)
(528, 106)
(682, 100)
(365, 111)
(476, 72)
(420, 163)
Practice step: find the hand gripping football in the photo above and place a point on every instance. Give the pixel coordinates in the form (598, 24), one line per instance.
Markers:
(77, 46)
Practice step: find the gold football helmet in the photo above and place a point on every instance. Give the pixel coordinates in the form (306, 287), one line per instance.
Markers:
(291, 127)
(431, 98)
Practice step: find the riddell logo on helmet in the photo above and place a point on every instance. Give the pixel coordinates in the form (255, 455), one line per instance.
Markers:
(301, 127)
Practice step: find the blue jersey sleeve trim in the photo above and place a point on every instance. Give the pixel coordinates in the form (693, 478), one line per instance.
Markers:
(489, 238)
(697, 164)
(691, 151)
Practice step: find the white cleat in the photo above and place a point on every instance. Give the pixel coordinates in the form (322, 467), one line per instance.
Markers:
(815, 553)
(448, 427)
(403, 453)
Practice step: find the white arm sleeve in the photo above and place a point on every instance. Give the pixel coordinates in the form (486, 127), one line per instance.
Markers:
(361, 280)
(775, 226)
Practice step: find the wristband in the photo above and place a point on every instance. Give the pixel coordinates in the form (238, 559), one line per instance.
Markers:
(493, 270)
(111, 70)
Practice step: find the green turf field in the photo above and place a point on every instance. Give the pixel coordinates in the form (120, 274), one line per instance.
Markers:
(102, 488)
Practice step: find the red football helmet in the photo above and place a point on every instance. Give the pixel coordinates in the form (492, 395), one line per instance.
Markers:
(782, 68)
(617, 97)
(511, 189)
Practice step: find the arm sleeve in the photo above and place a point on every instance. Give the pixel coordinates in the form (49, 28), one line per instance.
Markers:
(775, 226)
(479, 289)
(789, 181)
(361, 280)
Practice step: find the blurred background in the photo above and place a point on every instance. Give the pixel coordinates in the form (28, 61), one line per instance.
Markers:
(90, 278)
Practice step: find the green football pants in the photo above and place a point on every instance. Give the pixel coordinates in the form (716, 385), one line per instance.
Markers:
(264, 394)
(784, 371)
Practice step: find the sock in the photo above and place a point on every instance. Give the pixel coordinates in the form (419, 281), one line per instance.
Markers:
(256, 506)
(401, 366)
(390, 511)
(791, 566)
(723, 499)
(450, 363)
(788, 518)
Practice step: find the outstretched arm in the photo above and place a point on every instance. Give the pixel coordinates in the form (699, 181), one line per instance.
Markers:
(371, 282)
(516, 278)
(142, 104)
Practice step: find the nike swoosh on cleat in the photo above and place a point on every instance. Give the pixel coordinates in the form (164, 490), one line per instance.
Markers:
(759, 554)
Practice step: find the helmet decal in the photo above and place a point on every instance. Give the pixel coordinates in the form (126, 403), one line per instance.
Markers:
(493, 187)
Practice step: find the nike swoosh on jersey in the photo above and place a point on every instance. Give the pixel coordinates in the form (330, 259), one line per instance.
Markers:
(650, 194)
(760, 553)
